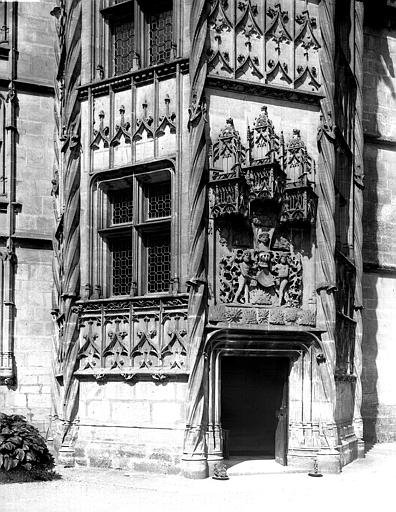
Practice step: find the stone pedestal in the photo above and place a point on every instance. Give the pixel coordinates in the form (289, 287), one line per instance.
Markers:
(66, 457)
(195, 468)
(329, 461)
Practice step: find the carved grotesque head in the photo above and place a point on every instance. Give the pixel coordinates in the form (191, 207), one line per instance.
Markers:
(265, 257)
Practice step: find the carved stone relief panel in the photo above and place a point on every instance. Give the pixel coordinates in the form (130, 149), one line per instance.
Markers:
(220, 56)
(129, 337)
(90, 351)
(146, 352)
(174, 344)
(249, 35)
(262, 205)
(306, 48)
(257, 264)
(279, 43)
(116, 349)
(272, 41)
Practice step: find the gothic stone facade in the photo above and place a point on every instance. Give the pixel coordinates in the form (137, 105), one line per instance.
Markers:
(208, 251)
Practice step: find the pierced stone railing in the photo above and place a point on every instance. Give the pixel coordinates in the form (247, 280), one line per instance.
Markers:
(138, 335)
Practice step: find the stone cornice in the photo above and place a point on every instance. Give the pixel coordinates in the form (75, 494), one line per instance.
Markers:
(139, 76)
(267, 90)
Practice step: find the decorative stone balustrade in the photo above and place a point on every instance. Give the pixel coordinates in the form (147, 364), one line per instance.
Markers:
(140, 335)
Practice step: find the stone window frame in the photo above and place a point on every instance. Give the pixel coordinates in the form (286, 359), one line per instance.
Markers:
(141, 230)
(138, 13)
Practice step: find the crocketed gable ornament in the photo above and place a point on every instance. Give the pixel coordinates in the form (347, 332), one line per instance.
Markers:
(228, 147)
(102, 134)
(264, 143)
(227, 191)
(121, 130)
(298, 158)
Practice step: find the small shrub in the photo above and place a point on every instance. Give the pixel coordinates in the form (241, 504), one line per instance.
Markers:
(22, 447)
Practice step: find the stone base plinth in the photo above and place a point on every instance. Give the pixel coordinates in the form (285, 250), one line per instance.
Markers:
(329, 461)
(66, 457)
(195, 468)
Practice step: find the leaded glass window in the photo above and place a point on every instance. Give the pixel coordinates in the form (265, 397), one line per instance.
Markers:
(160, 30)
(158, 200)
(158, 263)
(122, 206)
(121, 250)
(135, 226)
(123, 33)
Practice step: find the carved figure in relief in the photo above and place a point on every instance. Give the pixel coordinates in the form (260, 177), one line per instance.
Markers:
(282, 269)
(244, 277)
(271, 278)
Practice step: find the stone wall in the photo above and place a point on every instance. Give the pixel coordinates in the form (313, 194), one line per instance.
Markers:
(131, 425)
(379, 222)
(33, 222)
(379, 354)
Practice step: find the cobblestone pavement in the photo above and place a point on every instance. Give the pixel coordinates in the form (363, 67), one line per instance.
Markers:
(366, 484)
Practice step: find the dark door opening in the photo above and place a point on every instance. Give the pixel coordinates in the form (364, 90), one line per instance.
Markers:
(254, 405)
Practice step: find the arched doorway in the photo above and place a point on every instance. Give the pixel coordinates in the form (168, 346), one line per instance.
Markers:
(254, 404)
(248, 396)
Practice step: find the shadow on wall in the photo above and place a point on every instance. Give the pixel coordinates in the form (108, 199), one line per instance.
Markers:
(379, 74)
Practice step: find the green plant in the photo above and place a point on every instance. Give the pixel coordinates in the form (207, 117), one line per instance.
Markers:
(22, 446)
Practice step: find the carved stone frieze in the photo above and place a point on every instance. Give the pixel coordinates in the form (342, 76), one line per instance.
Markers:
(136, 336)
(248, 316)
